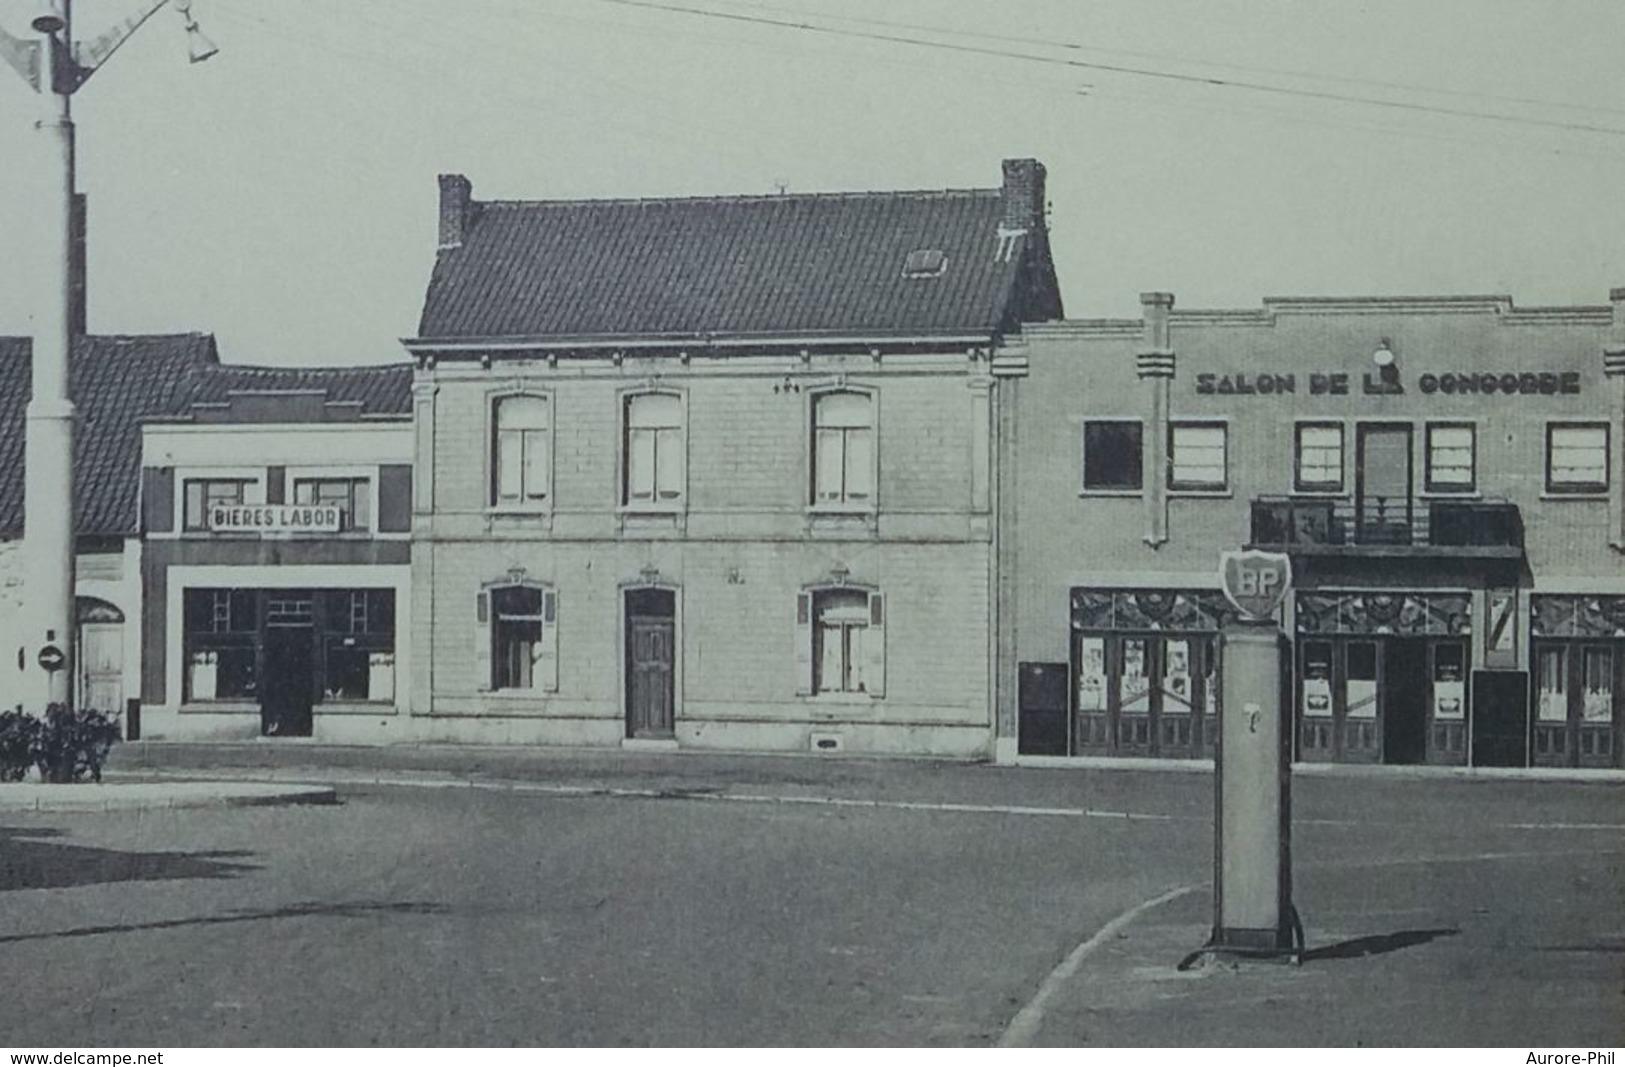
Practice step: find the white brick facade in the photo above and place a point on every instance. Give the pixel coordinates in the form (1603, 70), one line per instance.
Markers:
(737, 552)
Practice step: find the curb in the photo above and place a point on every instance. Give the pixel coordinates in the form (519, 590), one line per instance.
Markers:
(149, 796)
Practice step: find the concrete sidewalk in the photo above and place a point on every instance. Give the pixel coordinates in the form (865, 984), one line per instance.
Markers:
(115, 794)
(1466, 952)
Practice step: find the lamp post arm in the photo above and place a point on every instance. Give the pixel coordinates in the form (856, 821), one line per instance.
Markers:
(22, 56)
(88, 56)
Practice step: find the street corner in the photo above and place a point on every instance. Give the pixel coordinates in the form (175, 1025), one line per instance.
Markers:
(145, 795)
(1151, 983)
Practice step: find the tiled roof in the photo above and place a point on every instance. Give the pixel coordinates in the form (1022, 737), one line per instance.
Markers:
(115, 382)
(790, 265)
(118, 382)
(381, 389)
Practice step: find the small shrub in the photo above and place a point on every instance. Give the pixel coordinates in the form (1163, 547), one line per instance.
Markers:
(73, 745)
(19, 744)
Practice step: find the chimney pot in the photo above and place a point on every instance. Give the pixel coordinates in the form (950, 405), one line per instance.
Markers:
(1023, 194)
(456, 209)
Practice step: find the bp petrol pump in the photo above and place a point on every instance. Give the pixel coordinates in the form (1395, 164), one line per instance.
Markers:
(1253, 915)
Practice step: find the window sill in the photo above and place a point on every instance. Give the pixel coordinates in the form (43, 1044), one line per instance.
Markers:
(1321, 494)
(354, 707)
(518, 511)
(1589, 494)
(1122, 494)
(220, 707)
(1451, 494)
(653, 510)
(1200, 494)
(519, 518)
(861, 700)
(839, 510)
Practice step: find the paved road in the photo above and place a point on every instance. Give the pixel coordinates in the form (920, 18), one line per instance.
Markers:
(410, 915)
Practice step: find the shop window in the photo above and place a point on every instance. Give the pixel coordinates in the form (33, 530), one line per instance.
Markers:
(203, 494)
(1317, 679)
(843, 458)
(1197, 456)
(220, 638)
(844, 640)
(352, 496)
(522, 464)
(1360, 686)
(1451, 458)
(1112, 455)
(1577, 458)
(1597, 698)
(1449, 680)
(359, 642)
(1318, 467)
(653, 449)
(1552, 684)
(516, 640)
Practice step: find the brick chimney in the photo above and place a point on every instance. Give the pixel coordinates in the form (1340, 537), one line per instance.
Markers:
(76, 266)
(1616, 298)
(1023, 194)
(456, 209)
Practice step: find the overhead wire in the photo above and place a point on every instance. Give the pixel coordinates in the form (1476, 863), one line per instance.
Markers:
(1077, 46)
(1124, 69)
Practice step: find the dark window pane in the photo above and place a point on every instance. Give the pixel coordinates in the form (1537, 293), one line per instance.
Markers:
(1111, 455)
(1362, 661)
(381, 611)
(348, 672)
(516, 600)
(235, 679)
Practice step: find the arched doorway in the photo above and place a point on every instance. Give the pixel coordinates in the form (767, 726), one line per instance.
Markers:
(100, 659)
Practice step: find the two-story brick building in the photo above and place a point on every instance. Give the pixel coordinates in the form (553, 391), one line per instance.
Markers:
(716, 472)
(276, 540)
(1444, 473)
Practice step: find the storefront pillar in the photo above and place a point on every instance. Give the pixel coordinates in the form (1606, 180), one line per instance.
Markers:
(1156, 369)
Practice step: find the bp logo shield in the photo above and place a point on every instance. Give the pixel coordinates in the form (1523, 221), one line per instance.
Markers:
(1255, 582)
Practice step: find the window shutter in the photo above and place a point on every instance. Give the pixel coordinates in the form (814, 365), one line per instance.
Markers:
(874, 647)
(547, 653)
(482, 640)
(804, 644)
(158, 499)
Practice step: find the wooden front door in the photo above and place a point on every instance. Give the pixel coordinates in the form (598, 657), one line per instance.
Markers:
(287, 693)
(101, 666)
(651, 660)
(1383, 487)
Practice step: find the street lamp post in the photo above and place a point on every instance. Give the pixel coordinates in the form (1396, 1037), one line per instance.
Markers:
(55, 67)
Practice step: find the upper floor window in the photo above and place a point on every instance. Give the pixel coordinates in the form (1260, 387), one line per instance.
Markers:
(654, 449)
(522, 464)
(1111, 455)
(1452, 465)
(843, 449)
(204, 494)
(352, 496)
(1319, 458)
(1197, 456)
(1577, 457)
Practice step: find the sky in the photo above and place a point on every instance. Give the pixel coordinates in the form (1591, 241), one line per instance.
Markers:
(282, 195)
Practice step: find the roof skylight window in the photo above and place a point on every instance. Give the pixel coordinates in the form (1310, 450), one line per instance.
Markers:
(925, 263)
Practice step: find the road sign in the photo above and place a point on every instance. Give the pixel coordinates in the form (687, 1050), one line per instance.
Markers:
(1255, 582)
(51, 658)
